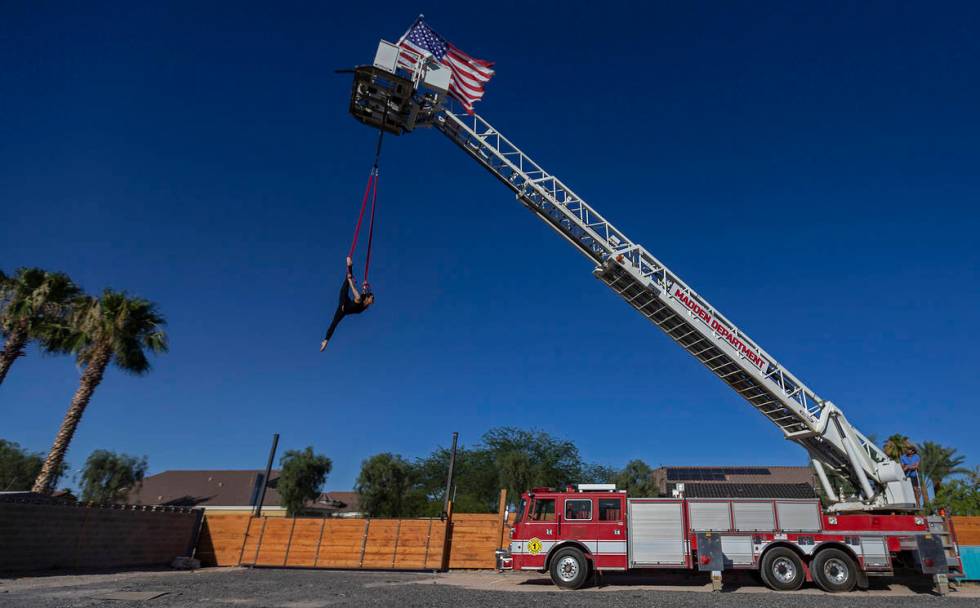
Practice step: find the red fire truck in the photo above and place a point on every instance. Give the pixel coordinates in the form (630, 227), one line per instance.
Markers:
(575, 533)
(871, 526)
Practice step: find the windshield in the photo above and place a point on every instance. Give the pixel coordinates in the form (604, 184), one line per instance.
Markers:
(521, 509)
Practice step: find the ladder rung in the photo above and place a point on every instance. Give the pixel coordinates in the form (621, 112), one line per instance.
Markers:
(692, 344)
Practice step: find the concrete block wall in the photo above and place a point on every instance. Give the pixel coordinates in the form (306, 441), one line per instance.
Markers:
(37, 537)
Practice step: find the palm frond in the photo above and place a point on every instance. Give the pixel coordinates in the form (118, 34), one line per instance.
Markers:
(36, 302)
(126, 327)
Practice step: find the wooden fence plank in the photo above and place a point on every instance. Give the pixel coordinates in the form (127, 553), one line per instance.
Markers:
(303, 546)
(273, 542)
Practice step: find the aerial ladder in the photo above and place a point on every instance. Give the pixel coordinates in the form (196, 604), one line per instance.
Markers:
(398, 100)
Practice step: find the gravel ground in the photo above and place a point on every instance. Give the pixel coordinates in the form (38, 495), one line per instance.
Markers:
(314, 589)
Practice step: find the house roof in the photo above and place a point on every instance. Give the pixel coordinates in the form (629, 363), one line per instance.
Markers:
(226, 488)
(349, 502)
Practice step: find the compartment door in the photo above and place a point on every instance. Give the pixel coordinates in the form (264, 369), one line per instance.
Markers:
(656, 534)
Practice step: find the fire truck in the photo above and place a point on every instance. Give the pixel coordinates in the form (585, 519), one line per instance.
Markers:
(577, 532)
(870, 528)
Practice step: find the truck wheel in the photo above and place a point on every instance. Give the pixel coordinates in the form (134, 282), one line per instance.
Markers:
(782, 569)
(834, 571)
(569, 568)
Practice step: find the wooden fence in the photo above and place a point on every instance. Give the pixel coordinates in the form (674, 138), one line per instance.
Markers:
(313, 542)
(463, 541)
(402, 544)
(967, 530)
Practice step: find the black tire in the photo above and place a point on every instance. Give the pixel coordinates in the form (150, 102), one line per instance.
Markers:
(834, 570)
(782, 569)
(569, 568)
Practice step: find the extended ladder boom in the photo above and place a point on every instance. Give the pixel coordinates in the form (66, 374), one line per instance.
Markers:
(670, 304)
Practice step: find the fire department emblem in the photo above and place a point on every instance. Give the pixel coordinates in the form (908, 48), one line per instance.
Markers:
(534, 546)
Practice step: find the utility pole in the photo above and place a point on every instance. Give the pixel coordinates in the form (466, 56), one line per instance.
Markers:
(268, 471)
(449, 478)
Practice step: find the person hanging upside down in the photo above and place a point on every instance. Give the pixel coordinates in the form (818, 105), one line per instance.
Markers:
(346, 305)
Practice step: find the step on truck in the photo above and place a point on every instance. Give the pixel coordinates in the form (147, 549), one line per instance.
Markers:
(871, 525)
(580, 532)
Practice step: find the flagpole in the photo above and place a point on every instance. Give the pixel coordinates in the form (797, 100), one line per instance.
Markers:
(411, 27)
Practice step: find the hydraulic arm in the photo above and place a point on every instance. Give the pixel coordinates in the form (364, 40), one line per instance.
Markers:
(646, 284)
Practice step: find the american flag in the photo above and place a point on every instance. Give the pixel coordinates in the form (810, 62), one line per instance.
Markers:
(468, 75)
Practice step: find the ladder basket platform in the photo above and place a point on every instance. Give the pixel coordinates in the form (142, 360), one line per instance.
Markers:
(383, 100)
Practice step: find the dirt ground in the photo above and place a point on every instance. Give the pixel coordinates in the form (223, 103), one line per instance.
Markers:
(224, 587)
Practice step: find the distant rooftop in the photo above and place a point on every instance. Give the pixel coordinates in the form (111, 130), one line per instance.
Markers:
(227, 488)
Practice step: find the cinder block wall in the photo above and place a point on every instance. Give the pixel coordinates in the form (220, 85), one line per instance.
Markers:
(36, 537)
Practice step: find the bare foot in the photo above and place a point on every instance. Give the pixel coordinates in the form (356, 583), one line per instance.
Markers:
(323, 345)
(350, 262)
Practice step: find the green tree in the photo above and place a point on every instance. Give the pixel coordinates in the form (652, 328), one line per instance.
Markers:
(896, 445)
(960, 496)
(387, 487)
(529, 458)
(301, 478)
(597, 473)
(114, 328)
(476, 480)
(33, 306)
(517, 472)
(637, 479)
(108, 477)
(938, 462)
(509, 458)
(18, 467)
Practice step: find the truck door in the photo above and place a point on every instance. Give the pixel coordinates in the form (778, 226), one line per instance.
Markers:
(542, 531)
(610, 527)
(578, 521)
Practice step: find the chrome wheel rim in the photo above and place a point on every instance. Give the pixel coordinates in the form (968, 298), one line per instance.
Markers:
(568, 569)
(784, 569)
(836, 571)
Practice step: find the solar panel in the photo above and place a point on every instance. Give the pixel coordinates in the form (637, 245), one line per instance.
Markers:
(750, 490)
(712, 473)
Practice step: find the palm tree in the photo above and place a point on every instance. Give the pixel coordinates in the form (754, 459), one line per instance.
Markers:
(114, 328)
(896, 445)
(33, 306)
(938, 463)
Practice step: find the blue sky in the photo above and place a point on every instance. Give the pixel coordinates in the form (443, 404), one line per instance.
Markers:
(810, 169)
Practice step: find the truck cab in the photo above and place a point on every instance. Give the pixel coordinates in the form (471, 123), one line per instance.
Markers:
(570, 532)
